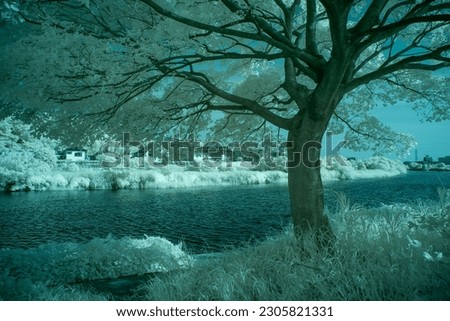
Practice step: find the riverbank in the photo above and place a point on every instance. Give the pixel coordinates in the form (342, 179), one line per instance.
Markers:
(72, 176)
(395, 252)
(399, 252)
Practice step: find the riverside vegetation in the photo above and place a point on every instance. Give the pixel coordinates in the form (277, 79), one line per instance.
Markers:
(395, 252)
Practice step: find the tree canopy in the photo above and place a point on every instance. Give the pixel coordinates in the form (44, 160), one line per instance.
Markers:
(184, 61)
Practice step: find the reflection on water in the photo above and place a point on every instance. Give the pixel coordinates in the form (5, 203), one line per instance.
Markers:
(206, 218)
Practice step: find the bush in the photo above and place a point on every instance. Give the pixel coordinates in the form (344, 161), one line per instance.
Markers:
(22, 153)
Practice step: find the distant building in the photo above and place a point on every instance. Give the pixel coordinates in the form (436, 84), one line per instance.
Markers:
(74, 154)
(445, 160)
(428, 159)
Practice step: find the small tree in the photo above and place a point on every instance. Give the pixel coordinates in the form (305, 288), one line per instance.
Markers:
(297, 65)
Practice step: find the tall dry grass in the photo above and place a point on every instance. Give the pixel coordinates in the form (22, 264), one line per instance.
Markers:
(397, 252)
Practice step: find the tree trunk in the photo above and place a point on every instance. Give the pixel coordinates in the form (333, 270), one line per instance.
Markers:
(305, 182)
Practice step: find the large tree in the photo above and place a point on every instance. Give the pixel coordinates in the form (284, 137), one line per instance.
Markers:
(298, 65)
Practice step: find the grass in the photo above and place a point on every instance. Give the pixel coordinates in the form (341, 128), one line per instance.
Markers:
(26, 290)
(395, 252)
(398, 252)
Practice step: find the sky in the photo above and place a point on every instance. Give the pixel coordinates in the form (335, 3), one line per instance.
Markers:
(432, 138)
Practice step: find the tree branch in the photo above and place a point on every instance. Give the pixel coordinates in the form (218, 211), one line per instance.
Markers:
(337, 12)
(371, 17)
(413, 62)
(388, 30)
(362, 39)
(311, 13)
(274, 40)
(249, 104)
(359, 132)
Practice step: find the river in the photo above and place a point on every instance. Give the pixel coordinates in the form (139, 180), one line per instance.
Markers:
(205, 219)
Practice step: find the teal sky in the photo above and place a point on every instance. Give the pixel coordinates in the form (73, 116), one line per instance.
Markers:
(432, 138)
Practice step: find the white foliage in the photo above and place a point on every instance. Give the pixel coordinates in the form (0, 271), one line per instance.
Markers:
(10, 12)
(23, 154)
(173, 176)
(97, 259)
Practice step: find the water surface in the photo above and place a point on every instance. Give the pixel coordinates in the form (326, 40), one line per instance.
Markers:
(205, 219)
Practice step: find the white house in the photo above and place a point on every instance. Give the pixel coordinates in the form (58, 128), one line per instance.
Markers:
(74, 154)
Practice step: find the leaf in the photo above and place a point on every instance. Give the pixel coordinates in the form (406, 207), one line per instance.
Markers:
(427, 256)
(14, 6)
